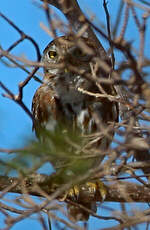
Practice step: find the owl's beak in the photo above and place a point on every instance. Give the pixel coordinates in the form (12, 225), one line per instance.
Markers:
(66, 70)
(64, 59)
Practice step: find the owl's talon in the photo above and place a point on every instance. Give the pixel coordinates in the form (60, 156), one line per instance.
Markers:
(102, 189)
(63, 198)
(73, 193)
(93, 188)
(99, 187)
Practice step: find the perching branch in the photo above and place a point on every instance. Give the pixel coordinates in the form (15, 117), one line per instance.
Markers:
(116, 192)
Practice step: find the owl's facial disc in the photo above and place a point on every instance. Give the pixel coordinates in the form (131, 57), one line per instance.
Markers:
(73, 57)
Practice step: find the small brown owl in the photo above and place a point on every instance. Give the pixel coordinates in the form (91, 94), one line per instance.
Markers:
(61, 99)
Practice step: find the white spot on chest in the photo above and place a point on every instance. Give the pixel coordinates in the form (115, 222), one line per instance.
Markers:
(50, 124)
(85, 122)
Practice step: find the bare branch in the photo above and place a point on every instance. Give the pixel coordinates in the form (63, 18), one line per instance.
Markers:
(117, 192)
(23, 36)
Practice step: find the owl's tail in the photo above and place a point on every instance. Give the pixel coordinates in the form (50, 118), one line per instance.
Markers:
(82, 211)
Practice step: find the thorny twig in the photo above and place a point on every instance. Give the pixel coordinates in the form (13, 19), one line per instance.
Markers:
(18, 98)
(142, 28)
(50, 20)
(124, 27)
(23, 36)
(109, 33)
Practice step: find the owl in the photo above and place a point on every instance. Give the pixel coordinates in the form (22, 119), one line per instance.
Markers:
(62, 98)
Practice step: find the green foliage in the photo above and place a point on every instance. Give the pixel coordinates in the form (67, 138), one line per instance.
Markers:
(63, 149)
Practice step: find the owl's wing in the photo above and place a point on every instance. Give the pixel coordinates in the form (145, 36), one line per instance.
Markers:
(47, 113)
(45, 106)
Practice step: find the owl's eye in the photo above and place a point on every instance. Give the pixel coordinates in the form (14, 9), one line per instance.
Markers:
(52, 54)
(78, 52)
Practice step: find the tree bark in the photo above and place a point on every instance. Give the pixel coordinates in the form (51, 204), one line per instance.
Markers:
(116, 192)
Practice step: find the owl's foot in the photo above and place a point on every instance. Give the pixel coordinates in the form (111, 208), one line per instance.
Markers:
(88, 190)
(101, 189)
(72, 193)
(84, 195)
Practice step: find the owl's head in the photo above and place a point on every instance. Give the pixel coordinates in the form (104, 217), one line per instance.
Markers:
(68, 54)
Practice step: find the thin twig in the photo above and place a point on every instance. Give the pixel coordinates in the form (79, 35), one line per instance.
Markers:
(109, 33)
(15, 98)
(125, 22)
(23, 36)
(49, 19)
(118, 19)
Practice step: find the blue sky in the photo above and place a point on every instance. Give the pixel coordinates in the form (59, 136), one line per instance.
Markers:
(15, 125)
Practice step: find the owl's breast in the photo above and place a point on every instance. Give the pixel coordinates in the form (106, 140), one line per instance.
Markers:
(67, 88)
(60, 102)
